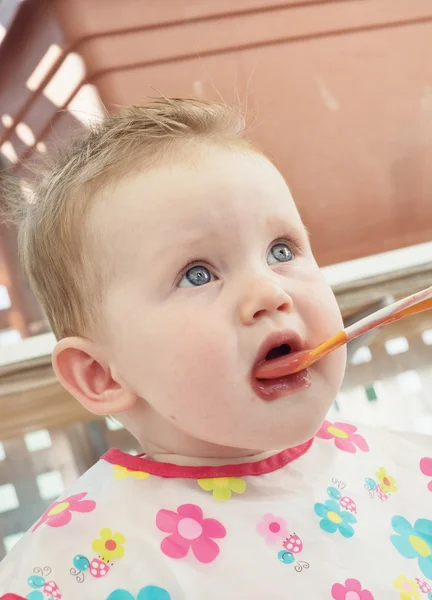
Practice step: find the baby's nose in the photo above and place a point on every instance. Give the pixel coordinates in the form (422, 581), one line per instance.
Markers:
(263, 298)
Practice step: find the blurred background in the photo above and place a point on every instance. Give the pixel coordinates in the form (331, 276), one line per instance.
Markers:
(340, 92)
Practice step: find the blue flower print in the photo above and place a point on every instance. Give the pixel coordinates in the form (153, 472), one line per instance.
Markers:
(149, 592)
(334, 519)
(414, 541)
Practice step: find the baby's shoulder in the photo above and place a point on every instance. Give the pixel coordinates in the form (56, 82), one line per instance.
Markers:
(348, 438)
(363, 463)
(80, 537)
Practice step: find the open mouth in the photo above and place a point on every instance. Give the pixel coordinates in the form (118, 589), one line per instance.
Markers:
(275, 347)
(277, 352)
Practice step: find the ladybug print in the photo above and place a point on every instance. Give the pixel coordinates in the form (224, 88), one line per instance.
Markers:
(381, 494)
(293, 544)
(51, 589)
(348, 504)
(424, 587)
(41, 587)
(384, 489)
(334, 493)
(98, 568)
(107, 549)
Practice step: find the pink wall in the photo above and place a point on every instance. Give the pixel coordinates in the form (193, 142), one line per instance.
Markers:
(340, 94)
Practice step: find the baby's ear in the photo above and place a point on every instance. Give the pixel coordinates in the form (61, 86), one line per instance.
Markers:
(83, 371)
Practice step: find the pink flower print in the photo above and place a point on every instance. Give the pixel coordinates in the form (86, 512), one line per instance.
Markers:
(60, 512)
(189, 530)
(426, 469)
(344, 435)
(352, 590)
(272, 528)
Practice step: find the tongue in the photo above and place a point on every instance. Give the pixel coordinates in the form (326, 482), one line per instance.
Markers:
(281, 366)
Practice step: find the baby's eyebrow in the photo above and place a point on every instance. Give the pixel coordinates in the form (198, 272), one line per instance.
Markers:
(307, 232)
(296, 227)
(195, 240)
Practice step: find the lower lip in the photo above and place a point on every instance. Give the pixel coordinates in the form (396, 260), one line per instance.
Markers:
(272, 389)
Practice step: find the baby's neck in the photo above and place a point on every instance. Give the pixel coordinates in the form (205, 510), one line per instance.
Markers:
(178, 459)
(162, 441)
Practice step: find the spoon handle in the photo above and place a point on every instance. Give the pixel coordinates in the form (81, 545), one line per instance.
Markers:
(411, 305)
(289, 364)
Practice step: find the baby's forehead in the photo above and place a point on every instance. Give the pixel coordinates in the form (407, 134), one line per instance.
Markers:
(202, 197)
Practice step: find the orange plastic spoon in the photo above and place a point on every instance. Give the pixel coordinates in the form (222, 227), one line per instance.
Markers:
(292, 363)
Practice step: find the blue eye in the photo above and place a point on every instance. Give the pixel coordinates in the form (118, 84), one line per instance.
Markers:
(279, 253)
(196, 276)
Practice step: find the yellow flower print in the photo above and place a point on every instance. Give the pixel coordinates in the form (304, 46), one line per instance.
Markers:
(408, 588)
(222, 487)
(388, 483)
(123, 473)
(110, 545)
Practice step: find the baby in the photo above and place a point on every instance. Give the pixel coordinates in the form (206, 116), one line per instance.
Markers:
(171, 259)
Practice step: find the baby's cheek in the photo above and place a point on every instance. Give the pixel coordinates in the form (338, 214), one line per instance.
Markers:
(200, 339)
(322, 312)
(198, 395)
(337, 365)
(190, 350)
(204, 364)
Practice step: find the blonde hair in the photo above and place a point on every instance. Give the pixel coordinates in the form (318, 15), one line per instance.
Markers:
(54, 250)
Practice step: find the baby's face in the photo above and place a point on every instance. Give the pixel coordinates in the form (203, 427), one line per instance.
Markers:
(210, 258)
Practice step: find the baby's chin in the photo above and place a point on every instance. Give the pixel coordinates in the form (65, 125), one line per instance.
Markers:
(265, 426)
(268, 437)
(294, 425)
(288, 439)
